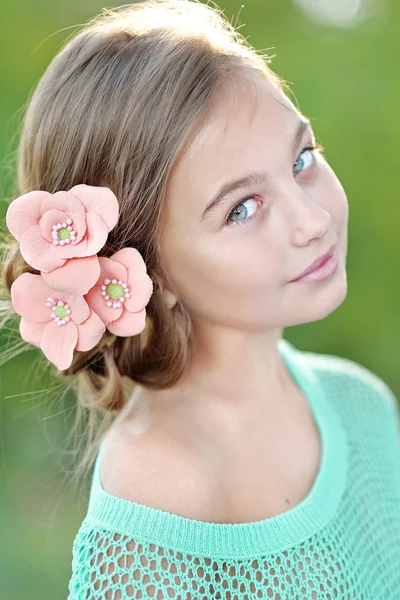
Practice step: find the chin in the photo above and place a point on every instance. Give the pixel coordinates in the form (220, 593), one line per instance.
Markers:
(320, 299)
(326, 303)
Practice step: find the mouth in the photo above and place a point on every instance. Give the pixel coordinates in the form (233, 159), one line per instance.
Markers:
(320, 268)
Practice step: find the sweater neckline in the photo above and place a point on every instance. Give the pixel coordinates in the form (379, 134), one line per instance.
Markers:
(247, 539)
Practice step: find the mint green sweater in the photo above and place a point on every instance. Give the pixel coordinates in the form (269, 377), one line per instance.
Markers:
(341, 542)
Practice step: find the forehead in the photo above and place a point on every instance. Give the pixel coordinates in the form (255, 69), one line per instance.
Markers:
(247, 129)
(237, 113)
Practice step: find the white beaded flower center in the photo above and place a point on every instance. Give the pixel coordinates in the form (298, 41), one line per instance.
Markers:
(63, 233)
(115, 292)
(62, 311)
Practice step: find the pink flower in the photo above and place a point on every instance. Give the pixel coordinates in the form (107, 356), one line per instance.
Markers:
(65, 227)
(122, 292)
(57, 325)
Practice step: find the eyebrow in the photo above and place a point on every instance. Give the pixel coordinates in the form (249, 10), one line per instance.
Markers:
(255, 178)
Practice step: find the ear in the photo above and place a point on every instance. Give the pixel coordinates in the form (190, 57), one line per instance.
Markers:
(169, 298)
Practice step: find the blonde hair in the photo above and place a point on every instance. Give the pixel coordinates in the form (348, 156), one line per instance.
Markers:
(116, 107)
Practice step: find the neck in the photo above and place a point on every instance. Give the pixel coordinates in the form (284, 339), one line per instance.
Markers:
(235, 365)
(235, 379)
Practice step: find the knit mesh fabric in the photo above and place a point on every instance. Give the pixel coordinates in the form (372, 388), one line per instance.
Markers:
(341, 542)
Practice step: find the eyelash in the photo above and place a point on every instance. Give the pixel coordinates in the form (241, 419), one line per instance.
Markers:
(228, 223)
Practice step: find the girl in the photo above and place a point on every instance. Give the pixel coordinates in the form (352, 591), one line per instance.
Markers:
(240, 467)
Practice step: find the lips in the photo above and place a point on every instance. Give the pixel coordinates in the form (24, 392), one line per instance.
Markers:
(317, 263)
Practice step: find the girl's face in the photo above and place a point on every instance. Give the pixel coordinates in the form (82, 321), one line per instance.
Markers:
(232, 263)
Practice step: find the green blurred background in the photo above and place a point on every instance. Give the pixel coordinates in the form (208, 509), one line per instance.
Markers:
(341, 59)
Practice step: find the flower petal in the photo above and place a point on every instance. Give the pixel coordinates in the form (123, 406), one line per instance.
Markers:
(70, 205)
(72, 250)
(50, 218)
(98, 304)
(140, 289)
(36, 250)
(139, 283)
(24, 211)
(64, 201)
(76, 276)
(99, 200)
(111, 269)
(96, 234)
(58, 343)
(131, 259)
(79, 224)
(128, 324)
(90, 332)
(80, 310)
(31, 332)
(29, 295)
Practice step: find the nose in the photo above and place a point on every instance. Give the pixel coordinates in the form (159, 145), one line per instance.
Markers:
(310, 219)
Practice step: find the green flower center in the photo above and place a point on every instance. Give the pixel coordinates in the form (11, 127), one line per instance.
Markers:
(115, 291)
(63, 233)
(60, 311)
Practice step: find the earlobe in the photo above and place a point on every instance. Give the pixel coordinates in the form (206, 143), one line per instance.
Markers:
(170, 298)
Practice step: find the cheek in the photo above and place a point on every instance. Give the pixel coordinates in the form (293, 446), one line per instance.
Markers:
(230, 273)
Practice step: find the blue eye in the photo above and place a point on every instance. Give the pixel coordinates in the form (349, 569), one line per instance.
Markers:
(299, 162)
(238, 208)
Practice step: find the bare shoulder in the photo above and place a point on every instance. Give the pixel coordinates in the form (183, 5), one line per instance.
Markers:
(161, 470)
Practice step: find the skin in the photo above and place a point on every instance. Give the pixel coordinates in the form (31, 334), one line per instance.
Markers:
(237, 406)
(235, 280)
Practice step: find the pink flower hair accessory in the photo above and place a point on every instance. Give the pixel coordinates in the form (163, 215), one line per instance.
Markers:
(61, 233)
(77, 295)
(57, 324)
(122, 292)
